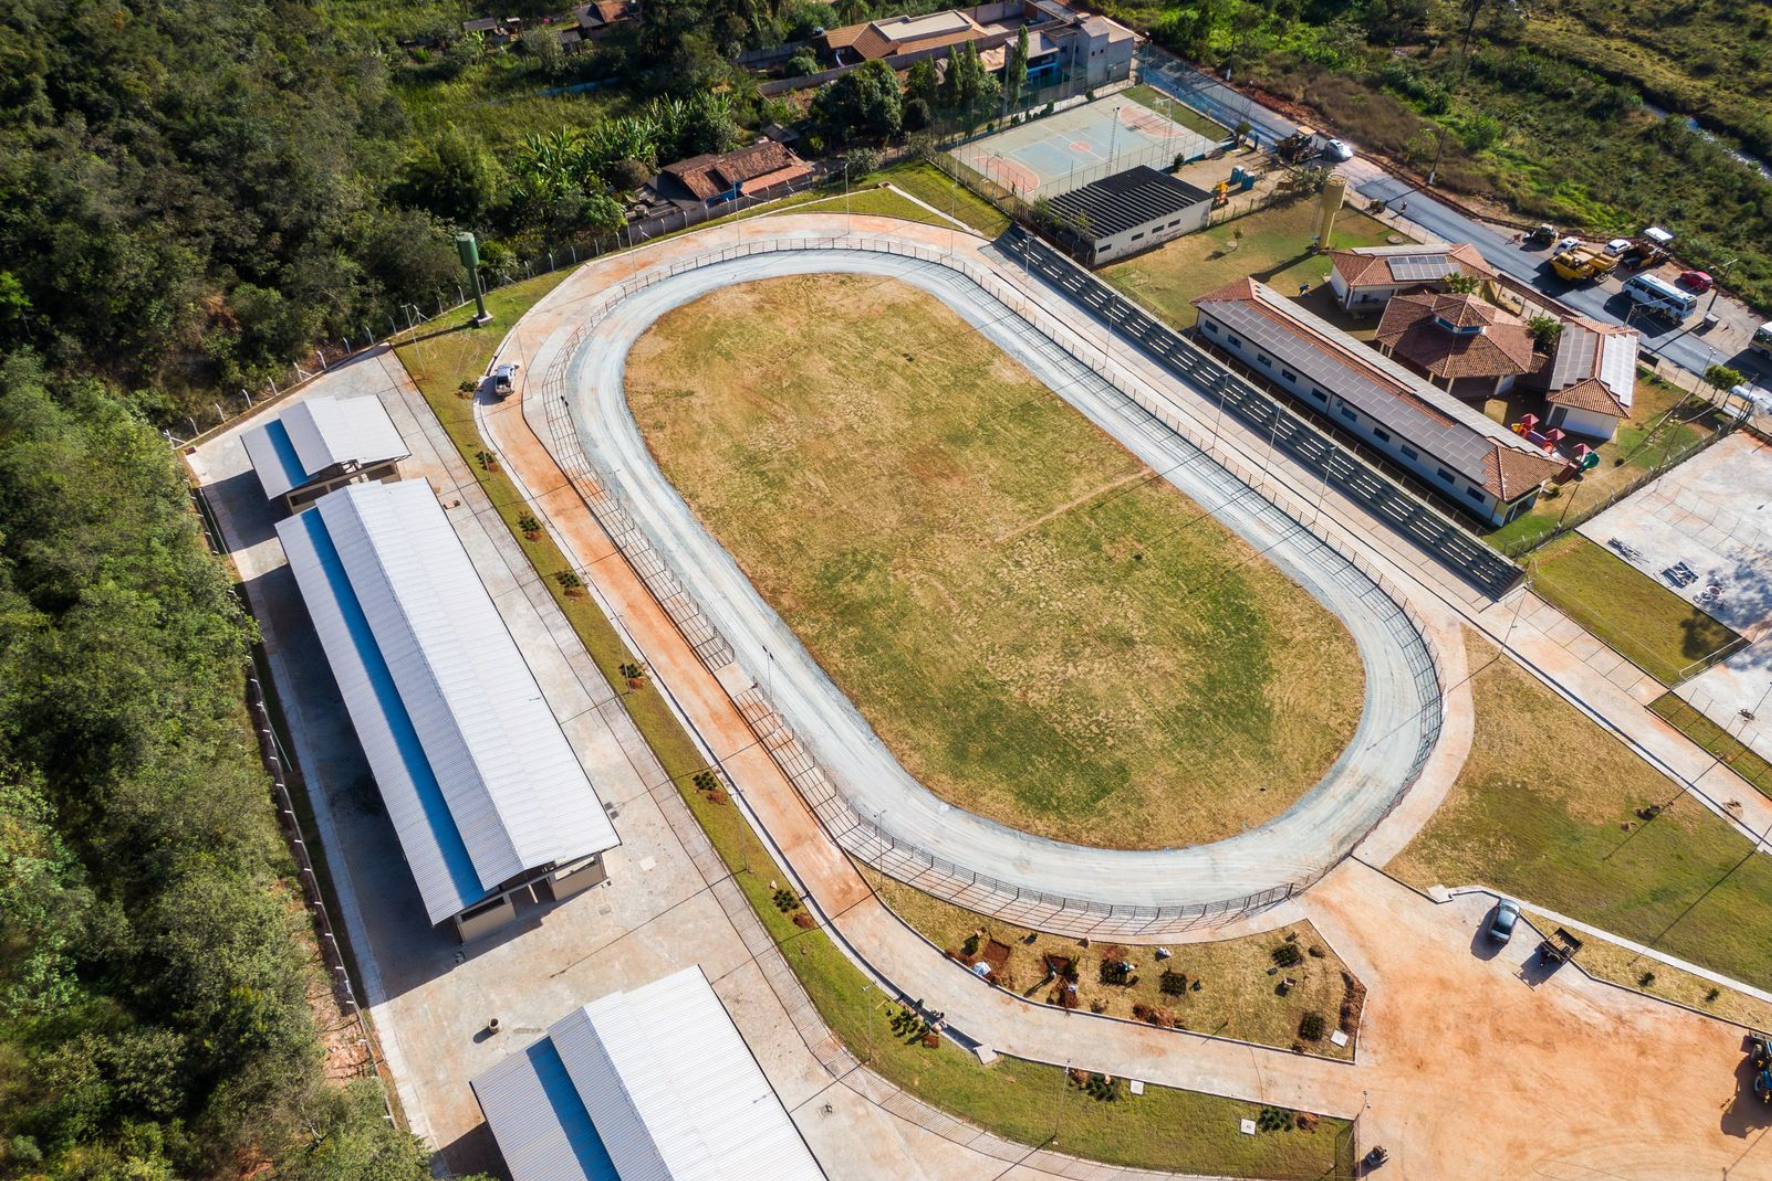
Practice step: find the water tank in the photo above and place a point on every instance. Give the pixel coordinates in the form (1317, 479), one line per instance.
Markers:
(1334, 193)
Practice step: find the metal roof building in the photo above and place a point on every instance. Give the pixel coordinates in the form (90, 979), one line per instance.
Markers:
(1130, 211)
(320, 443)
(486, 795)
(655, 1084)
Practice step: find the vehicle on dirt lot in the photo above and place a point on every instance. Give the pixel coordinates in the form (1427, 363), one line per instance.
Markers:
(1699, 281)
(1506, 917)
(1558, 948)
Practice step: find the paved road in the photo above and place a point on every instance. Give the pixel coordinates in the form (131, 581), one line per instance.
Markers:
(1399, 714)
(1604, 301)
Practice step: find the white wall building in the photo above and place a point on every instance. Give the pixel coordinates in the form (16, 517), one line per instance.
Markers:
(487, 798)
(1132, 211)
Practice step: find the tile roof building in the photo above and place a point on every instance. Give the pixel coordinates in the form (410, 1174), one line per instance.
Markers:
(486, 796)
(712, 179)
(651, 1084)
(1589, 383)
(1475, 462)
(319, 443)
(1459, 342)
(1366, 277)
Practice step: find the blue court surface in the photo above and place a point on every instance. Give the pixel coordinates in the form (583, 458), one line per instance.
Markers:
(1074, 147)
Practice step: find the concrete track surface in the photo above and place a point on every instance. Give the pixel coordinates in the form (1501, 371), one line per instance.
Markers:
(1398, 727)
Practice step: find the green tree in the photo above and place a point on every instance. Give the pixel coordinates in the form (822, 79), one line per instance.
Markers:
(1722, 377)
(864, 103)
(454, 177)
(1015, 69)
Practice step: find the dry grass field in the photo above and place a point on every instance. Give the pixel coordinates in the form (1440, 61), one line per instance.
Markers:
(1039, 629)
(1224, 988)
(1557, 812)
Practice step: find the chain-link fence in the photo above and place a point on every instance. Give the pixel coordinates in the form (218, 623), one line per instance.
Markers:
(873, 842)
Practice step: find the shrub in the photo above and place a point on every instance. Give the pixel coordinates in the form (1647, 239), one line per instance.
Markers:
(803, 920)
(1286, 955)
(1645, 980)
(530, 526)
(1173, 983)
(1311, 1026)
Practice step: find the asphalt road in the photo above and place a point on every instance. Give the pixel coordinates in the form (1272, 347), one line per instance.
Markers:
(1399, 712)
(1606, 302)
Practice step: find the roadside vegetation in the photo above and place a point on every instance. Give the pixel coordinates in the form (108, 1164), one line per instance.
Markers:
(1549, 111)
(1557, 812)
(1030, 1103)
(1655, 629)
(1039, 628)
(1284, 988)
(1728, 750)
(157, 967)
(1273, 245)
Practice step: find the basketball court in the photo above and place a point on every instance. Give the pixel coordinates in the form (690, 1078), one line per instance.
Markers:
(1064, 151)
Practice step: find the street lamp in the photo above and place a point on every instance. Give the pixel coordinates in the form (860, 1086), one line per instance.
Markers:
(1716, 286)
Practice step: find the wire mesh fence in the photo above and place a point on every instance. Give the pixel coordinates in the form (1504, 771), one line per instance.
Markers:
(873, 842)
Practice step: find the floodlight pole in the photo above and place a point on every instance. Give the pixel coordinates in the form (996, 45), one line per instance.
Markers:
(469, 252)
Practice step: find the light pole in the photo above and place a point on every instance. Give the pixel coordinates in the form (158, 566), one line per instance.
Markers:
(1716, 286)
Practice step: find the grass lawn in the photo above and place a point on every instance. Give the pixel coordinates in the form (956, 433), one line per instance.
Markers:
(1038, 628)
(1649, 439)
(1156, 100)
(929, 184)
(1606, 960)
(1546, 809)
(1645, 622)
(1734, 753)
(1229, 992)
(1272, 244)
(1163, 1129)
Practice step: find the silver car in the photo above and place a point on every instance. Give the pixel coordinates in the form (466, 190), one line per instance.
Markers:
(1507, 916)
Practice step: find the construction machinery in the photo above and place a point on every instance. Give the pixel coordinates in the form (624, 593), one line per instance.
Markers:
(1544, 235)
(1759, 1057)
(1583, 262)
(1298, 147)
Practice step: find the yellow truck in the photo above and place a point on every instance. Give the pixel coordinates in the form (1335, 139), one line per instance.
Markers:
(1579, 262)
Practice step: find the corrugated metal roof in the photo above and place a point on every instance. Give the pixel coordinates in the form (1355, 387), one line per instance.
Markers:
(1125, 201)
(1457, 435)
(674, 1093)
(318, 434)
(477, 776)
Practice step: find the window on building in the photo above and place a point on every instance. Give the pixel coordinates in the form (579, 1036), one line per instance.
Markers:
(1210, 327)
(1288, 375)
(1409, 452)
(1319, 395)
(1444, 474)
(1348, 414)
(1383, 435)
(1233, 342)
(1475, 494)
(1138, 235)
(1263, 359)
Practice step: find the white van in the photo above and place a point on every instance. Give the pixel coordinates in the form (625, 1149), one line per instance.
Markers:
(1658, 295)
(1762, 342)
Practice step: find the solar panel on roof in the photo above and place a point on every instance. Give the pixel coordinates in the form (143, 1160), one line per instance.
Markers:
(1419, 268)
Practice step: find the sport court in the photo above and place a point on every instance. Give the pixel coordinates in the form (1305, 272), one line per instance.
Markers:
(1067, 150)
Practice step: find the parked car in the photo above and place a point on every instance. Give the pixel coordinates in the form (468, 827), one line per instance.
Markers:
(1337, 149)
(1699, 281)
(1506, 917)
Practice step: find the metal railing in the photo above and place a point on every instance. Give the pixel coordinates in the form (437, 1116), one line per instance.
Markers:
(852, 831)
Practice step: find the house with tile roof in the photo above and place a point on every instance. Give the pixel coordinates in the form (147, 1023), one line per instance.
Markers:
(716, 178)
(1466, 346)
(1589, 382)
(1473, 461)
(1366, 278)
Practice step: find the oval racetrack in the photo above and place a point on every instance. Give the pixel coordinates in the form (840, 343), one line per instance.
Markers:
(1401, 710)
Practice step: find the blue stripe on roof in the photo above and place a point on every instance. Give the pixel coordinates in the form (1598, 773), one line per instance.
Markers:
(284, 446)
(569, 1111)
(430, 793)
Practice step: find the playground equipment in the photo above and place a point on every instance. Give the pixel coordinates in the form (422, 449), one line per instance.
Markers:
(1586, 458)
(1583, 261)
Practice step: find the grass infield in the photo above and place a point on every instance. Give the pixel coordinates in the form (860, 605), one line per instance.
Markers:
(1039, 628)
